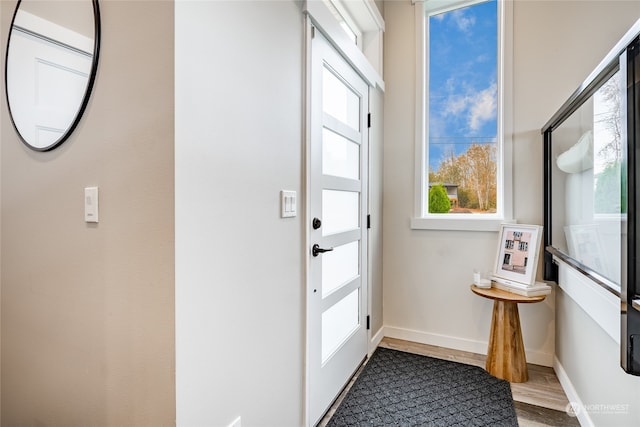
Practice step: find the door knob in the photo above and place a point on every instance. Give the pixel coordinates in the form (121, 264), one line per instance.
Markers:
(316, 249)
(316, 223)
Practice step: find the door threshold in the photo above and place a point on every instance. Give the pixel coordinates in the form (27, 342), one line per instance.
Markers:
(340, 397)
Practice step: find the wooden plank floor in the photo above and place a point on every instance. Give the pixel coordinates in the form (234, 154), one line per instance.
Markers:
(539, 402)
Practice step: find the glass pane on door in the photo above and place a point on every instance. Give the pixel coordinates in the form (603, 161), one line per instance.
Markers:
(340, 211)
(339, 267)
(338, 323)
(340, 156)
(339, 101)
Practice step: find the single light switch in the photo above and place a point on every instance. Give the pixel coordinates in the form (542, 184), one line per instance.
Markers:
(288, 204)
(91, 204)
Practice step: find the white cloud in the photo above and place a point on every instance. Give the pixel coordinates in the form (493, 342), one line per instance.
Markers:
(478, 106)
(483, 107)
(456, 104)
(463, 22)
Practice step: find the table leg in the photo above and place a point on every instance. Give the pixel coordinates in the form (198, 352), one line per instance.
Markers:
(506, 356)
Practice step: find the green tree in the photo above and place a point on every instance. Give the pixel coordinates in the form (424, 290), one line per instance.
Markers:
(608, 197)
(438, 200)
(480, 163)
(466, 198)
(474, 172)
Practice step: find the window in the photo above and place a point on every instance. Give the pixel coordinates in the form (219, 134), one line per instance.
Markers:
(356, 29)
(346, 22)
(463, 141)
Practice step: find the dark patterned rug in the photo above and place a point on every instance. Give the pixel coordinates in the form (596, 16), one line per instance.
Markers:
(404, 389)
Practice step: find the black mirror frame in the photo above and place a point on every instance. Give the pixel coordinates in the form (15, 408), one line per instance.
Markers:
(87, 93)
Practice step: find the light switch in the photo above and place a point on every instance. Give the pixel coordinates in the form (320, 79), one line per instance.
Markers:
(288, 204)
(91, 204)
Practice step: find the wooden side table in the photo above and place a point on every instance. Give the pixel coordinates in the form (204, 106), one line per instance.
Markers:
(505, 355)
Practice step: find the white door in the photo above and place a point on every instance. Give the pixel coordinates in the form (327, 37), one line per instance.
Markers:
(337, 287)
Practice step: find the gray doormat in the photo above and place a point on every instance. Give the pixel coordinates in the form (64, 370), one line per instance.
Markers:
(403, 389)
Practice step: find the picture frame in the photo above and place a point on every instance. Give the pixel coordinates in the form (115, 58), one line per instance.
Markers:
(517, 254)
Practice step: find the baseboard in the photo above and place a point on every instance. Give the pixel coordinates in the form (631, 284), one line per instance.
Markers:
(574, 399)
(435, 339)
(478, 347)
(375, 340)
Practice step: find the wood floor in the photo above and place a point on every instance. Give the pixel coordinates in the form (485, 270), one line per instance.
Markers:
(539, 402)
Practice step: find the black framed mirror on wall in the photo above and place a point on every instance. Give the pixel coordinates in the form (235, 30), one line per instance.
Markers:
(50, 68)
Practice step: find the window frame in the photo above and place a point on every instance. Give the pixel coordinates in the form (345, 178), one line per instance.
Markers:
(475, 222)
(346, 20)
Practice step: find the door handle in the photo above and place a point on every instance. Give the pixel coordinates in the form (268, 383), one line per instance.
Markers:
(316, 249)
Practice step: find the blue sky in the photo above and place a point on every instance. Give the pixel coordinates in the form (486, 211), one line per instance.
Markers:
(462, 79)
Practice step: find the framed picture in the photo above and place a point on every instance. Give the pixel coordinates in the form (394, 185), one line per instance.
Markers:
(517, 257)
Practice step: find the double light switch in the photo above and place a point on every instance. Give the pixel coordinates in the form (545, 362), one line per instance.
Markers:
(288, 204)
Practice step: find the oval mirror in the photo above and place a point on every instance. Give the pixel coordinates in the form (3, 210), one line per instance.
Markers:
(52, 56)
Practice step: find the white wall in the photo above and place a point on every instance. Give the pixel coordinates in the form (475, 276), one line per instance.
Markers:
(588, 365)
(427, 273)
(240, 300)
(575, 38)
(239, 266)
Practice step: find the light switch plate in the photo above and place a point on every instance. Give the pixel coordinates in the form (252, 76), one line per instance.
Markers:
(288, 204)
(91, 204)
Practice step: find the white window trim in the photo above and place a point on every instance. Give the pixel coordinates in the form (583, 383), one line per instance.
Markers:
(346, 18)
(479, 222)
(367, 62)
